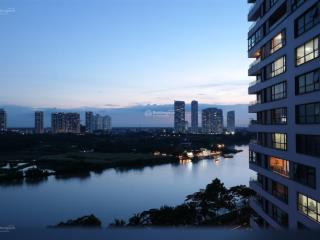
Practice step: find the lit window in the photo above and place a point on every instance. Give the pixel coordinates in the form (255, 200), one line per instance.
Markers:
(307, 51)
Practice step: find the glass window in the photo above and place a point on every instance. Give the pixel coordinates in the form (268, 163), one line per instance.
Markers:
(278, 91)
(309, 207)
(307, 20)
(280, 191)
(308, 144)
(296, 3)
(279, 141)
(308, 113)
(303, 174)
(277, 42)
(279, 116)
(279, 166)
(307, 51)
(278, 67)
(308, 82)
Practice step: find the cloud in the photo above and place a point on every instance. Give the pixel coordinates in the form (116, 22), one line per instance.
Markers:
(243, 83)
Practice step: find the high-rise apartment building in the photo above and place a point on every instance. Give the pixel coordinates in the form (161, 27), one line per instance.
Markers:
(58, 123)
(231, 121)
(97, 122)
(65, 123)
(284, 40)
(179, 117)
(212, 121)
(107, 124)
(72, 122)
(89, 122)
(38, 122)
(194, 117)
(3, 120)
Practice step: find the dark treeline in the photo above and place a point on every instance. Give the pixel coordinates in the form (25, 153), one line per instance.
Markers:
(13, 146)
(213, 206)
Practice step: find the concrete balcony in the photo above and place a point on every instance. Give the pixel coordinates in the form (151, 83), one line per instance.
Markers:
(254, 11)
(258, 209)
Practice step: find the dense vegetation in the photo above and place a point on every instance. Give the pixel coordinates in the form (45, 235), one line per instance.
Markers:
(24, 147)
(76, 155)
(213, 206)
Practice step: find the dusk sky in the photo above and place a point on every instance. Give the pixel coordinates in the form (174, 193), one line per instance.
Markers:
(118, 53)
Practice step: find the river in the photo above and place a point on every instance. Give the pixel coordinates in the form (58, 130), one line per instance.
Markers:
(114, 194)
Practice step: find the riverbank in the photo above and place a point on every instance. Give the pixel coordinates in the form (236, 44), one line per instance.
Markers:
(78, 155)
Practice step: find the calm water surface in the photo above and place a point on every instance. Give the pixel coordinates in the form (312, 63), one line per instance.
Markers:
(115, 194)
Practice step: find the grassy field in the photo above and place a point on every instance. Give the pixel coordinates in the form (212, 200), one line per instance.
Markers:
(96, 158)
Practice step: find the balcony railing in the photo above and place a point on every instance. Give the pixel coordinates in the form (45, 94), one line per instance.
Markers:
(254, 82)
(254, 24)
(253, 122)
(254, 141)
(255, 102)
(251, 7)
(255, 62)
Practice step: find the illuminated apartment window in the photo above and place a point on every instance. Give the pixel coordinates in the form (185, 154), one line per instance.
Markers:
(307, 51)
(277, 67)
(277, 42)
(309, 207)
(279, 141)
(279, 166)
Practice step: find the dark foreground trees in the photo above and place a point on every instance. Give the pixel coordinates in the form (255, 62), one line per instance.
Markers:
(213, 206)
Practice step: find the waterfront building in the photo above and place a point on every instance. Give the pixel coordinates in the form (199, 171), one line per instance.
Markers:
(212, 121)
(231, 122)
(179, 117)
(3, 120)
(284, 42)
(194, 117)
(38, 122)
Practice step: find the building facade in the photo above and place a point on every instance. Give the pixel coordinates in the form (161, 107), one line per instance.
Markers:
(284, 42)
(212, 121)
(194, 117)
(231, 122)
(96, 122)
(179, 117)
(107, 123)
(89, 122)
(38, 122)
(65, 123)
(58, 123)
(72, 122)
(3, 120)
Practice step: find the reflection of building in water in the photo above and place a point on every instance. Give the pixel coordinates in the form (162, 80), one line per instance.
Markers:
(185, 161)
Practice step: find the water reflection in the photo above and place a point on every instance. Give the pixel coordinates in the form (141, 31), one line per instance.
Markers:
(116, 193)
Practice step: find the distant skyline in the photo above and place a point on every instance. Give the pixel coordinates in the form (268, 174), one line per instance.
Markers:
(123, 53)
(137, 116)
